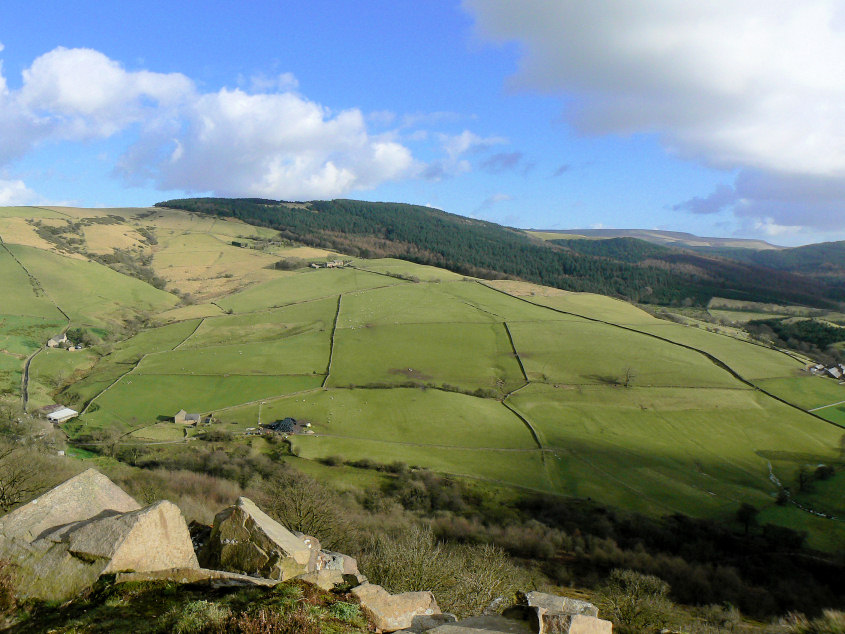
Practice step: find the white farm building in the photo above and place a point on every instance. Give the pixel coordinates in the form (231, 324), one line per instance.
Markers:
(62, 415)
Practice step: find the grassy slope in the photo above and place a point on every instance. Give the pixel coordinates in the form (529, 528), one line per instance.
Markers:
(687, 437)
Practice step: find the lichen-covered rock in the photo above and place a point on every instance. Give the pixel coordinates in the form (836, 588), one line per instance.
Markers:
(84, 496)
(69, 558)
(324, 579)
(574, 624)
(246, 540)
(393, 612)
(486, 624)
(556, 604)
(329, 560)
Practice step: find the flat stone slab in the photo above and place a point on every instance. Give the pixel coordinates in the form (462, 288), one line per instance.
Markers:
(198, 576)
(556, 604)
(484, 625)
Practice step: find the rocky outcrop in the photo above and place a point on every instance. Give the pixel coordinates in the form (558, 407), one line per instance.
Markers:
(198, 576)
(84, 496)
(56, 562)
(535, 613)
(393, 612)
(554, 604)
(246, 540)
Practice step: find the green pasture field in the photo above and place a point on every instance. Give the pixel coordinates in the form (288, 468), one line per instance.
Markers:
(592, 353)
(161, 432)
(687, 450)
(101, 376)
(301, 354)
(152, 340)
(192, 311)
(413, 416)
(470, 356)
(20, 297)
(306, 285)
(806, 391)
(504, 307)
(521, 469)
(741, 317)
(130, 402)
(88, 292)
(25, 334)
(390, 266)
(598, 307)
(314, 316)
(11, 370)
(750, 361)
(50, 368)
(409, 304)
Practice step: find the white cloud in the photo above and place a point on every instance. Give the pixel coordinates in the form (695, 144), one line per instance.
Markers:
(757, 83)
(15, 192)
(272, 142)
(456, 146)
(750, 84)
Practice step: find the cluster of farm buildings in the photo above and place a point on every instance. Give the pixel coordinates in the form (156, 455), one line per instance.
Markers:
(835, 371)
(61, 341)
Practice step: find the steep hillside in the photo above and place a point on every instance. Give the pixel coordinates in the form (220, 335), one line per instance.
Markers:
(483, 249)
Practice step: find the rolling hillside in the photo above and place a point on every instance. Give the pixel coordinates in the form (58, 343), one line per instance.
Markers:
(503, 382)
(483, 249)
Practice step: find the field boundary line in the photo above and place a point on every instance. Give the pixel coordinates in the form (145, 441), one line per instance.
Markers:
(111, 385)
(515, 353)
(331, 343)
(25, 379)
(718, 362)
(193, 332)
(825, 406)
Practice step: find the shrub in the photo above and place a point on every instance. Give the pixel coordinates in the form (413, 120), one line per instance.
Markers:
(831, 622)
(635, 602)
(465, 579)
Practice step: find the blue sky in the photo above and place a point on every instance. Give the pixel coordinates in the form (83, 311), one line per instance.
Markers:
(718, 118)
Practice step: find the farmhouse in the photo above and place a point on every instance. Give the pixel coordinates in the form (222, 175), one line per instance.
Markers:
(62, 415)
(58, 340)
(184, 418)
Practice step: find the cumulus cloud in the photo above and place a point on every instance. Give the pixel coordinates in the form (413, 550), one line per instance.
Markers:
(15, 192)
(750, 84)
(267, 142)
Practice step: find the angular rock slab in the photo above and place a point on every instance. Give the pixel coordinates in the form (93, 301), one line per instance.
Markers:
(198, 576)
(246, 540)
(84, 496)
(574, 624)
(393, 612)
(484, 625)
(557, 605)
(70, 558)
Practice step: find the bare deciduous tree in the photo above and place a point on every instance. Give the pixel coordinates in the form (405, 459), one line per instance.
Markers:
(19, 479)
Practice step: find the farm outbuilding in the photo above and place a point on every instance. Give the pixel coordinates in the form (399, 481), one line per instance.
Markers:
(62, 415)
(184, 418)
(58, 340)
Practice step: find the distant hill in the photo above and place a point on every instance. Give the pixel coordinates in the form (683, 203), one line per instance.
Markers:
(484, 249)
(824, 261)
(667, 238)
